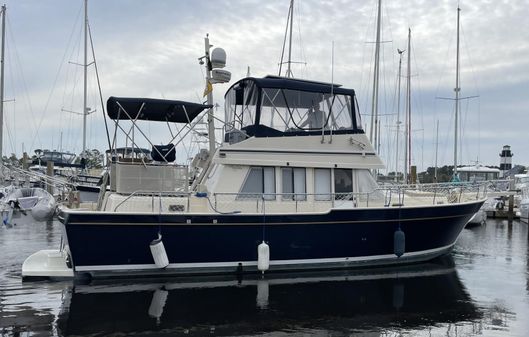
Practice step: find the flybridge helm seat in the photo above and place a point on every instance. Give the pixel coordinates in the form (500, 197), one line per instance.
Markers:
(164, 153)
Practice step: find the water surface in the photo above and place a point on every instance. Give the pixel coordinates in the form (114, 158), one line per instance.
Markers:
(481, 289)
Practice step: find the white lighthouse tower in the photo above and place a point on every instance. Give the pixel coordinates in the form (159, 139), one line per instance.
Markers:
(505, 160)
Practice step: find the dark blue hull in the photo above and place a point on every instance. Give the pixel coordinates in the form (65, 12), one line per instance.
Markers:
(118, 243)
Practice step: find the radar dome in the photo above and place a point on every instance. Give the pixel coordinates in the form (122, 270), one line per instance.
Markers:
(218, 58)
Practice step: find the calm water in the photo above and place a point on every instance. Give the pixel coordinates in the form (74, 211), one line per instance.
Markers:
(482, 289)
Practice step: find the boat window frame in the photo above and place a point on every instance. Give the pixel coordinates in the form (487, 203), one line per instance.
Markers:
(323, 196)
(352, 175)
(258, 195)
(293, 196)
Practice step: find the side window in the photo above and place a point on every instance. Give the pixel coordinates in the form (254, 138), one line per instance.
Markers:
(293, 184)
(258, 181)
(322, 184)
(343, 181)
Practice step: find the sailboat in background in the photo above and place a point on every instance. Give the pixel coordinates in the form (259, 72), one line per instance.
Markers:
(479, 217)
(87, 184)
(18, 201)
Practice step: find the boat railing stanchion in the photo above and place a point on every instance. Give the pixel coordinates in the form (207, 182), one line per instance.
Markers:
(215, 200)
(296, 200)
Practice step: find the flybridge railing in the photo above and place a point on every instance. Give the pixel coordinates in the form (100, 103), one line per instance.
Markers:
(386, 196)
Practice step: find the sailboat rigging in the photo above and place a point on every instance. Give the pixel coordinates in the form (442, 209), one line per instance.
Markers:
(376, 74)
(3, 13)
(407, 156)
(398, 116)
(457, 100)
(288, 32)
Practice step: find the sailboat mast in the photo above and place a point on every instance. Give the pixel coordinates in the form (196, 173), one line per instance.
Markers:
(85, 66)
(2, 82)
(457, 89)
(408, 99)
(398, 117)
(407, 126)
(289, 71)
(436, 150)
(374, 101)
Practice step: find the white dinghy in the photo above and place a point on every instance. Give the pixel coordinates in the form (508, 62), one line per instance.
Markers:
(37, 201)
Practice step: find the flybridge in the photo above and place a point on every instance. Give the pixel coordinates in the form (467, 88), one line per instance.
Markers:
(276, 106)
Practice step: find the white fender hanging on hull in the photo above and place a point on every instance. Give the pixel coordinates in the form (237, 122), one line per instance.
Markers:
(158, 253)
(263, 257)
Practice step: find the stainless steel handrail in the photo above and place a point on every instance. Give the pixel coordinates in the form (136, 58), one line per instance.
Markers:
(153, 194)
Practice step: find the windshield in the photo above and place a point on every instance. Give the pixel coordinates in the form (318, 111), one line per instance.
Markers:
(282, 110)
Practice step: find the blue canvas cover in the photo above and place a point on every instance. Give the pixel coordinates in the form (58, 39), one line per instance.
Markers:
(161, 110)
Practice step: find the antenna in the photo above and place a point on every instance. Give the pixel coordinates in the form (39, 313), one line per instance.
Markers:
(332, 68)
(332, 91)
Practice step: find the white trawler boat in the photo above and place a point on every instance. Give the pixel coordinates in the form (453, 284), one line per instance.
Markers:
(290, 188)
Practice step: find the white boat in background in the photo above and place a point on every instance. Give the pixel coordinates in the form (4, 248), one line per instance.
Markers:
(474, 174)
(478, 173)
(521, 181)
(35, 201)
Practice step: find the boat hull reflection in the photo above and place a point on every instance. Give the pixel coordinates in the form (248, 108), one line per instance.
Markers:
(402, 298)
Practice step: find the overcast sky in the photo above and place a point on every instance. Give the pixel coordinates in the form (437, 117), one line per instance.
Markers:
(150, 49)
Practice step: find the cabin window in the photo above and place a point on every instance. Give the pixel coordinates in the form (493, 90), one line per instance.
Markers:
(260, 182)
(322, 184)
(293, 183)
(343, 181)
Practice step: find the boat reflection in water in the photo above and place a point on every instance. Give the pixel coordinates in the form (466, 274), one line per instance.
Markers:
(407, 297)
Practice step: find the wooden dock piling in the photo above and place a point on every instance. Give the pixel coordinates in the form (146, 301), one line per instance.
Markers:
(510, 213)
